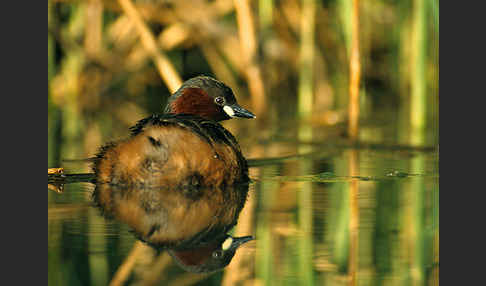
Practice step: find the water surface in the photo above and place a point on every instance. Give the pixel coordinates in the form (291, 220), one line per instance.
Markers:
(323, 210)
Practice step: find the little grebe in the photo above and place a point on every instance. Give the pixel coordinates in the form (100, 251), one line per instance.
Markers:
(181, 169)
(183, 147)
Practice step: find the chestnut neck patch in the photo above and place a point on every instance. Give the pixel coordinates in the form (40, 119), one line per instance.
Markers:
(197, 102)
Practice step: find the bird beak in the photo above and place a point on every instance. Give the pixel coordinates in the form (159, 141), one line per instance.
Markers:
(235, 110)
(238, 241)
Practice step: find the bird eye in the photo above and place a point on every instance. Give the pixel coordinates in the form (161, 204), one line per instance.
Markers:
(217, 254)
(219, 100)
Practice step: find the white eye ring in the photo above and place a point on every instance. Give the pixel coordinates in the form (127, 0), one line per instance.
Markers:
(229, 111)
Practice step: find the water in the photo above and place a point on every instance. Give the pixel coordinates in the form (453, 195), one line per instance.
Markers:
(324, 211)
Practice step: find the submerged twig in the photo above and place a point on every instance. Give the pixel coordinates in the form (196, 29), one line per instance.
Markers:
(57, 179)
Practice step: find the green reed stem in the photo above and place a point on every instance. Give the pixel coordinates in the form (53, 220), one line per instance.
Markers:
(419, 52)
(265, 14)
(305, 212)
(417, 190)
(306, 69)
(98, 259)
(265, 257)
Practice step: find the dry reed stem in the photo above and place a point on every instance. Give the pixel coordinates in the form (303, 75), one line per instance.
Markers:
(125, 269)
(93, 39)
(283, 30)
(56, 188)
(353, 218)
(55, 170)
(355, 74)
(219, 67)
(184, 29)
(231, 50)
(121, 33)
(147, 10)
(353, 131)
(248, 44)
(166, 70)
(156, 272)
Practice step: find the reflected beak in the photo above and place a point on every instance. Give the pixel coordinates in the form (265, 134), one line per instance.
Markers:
(237, 111)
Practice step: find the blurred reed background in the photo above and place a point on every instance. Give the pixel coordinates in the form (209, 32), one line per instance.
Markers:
(112, 62)
(298, 65)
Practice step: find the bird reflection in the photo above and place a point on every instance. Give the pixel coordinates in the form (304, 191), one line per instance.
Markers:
(192, 229)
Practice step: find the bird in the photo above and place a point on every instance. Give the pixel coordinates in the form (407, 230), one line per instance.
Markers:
(168, 220)
(180, 179)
